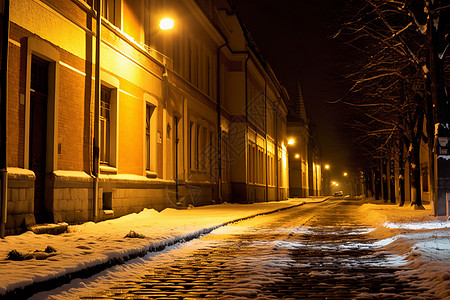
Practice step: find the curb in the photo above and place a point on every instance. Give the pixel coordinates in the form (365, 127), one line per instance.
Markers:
(36, 287)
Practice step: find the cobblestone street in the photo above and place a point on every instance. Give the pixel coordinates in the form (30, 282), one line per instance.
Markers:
(318, 251)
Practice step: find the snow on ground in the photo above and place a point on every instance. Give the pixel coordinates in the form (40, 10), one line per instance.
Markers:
(420, 240)
(412, 237)
(90, 244)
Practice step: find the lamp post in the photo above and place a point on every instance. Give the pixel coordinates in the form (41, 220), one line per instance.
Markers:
(326, 179)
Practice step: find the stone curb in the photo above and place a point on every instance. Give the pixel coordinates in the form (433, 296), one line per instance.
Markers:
(36, 287)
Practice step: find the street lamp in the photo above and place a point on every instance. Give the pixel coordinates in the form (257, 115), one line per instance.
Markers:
(326, 179)
(291, 142)
(166, 24)
(297, 156)
(345, 174)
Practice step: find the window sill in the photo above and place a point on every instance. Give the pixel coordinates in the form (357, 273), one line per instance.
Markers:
(151, 174)
(108, 169)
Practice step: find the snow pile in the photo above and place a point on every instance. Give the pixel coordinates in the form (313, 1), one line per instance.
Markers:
(421, 242)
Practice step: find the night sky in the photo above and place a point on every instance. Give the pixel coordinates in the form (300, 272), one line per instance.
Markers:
(294, 36)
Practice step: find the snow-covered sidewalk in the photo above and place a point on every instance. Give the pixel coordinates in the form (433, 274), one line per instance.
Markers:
(102, 244)
(420, 241)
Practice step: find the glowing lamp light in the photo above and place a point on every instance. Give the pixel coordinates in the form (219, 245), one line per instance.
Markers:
(345, 174)
(297, 155)
(166, 24)
(327, 167)
(291, 142)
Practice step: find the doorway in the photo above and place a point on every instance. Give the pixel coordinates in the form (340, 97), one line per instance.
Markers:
(38, 133)
(176, 140)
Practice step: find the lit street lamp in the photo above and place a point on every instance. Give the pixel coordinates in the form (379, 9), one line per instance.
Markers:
(166, 24)
(326, 179)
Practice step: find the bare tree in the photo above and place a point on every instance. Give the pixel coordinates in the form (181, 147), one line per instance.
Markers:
(391, 79)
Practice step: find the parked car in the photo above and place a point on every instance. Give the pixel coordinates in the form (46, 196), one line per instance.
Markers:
(339, 194)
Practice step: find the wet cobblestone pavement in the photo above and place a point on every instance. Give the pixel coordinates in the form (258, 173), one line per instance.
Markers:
(310, 252)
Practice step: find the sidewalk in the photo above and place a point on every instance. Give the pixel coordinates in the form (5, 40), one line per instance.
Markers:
(91, 247)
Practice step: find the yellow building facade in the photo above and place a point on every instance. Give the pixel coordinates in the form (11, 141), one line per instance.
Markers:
(156, 118)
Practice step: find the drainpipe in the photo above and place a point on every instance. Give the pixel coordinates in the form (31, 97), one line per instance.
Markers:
(4, 121)
(177, 196)
(96, 149)
(277, 189)
(265, 129)
(246, 122)
(219, 127)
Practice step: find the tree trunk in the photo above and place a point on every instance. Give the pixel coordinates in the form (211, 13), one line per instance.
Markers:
(377, 185)
(392, 181)
(384, 191)
(415, 175)
(401, 176)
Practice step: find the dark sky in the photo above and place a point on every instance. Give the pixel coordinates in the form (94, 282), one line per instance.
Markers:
(294, 37)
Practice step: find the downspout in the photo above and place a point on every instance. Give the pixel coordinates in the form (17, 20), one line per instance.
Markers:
(176, 162)
(219, 127)
(265, 129)
(96, 149)
(277, 189)
(246, 123)
(4, 121)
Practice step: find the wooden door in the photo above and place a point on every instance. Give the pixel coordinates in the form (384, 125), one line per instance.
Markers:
(38, 133)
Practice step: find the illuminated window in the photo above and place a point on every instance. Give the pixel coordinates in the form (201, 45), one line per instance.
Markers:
(148, 115)
(191, 144)
(105, 125)
(110, 10)
(208, 76)
(108, 125)
(197, 148)
(190, 61)
(211, 141)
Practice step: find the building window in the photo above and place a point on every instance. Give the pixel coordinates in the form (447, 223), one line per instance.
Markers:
(197, 148)
(211, 141)
(105, 126)
(208, 76)
(110, 10)
(190, 61)
(191, 144)
(196, 66)
(176, 55)
(148, 115)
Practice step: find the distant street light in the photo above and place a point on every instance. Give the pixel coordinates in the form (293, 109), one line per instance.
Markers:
(327, 167)
(345, 174)
(297, 155)
(291, 142)
(166, 24)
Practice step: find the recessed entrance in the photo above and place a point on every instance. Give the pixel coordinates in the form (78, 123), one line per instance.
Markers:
(38, 133)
